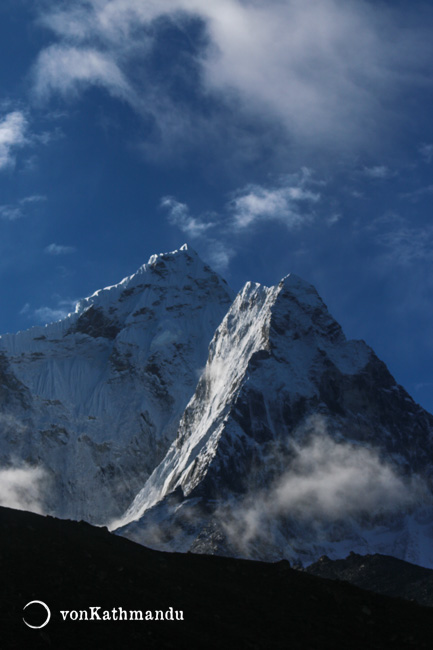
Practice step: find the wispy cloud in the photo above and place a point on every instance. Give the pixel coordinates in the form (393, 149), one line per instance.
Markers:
(179, 215)
(67, 70)
(289, 203)
(25, 309)
(426, 151)
(13, 128)
(58, 249)
(219, 254)
(406, 245)
(418, 194)
(216, 251)
(379, 171)
(334, 218)
(13, 211)
(34, 198)
(400, 242)
(324, 71)
(10, 212)
(326, 482)
(49, 314)
(422, 385)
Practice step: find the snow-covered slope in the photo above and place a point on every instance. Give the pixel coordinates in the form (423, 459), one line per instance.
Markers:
(296, 442)
(290, 442)
(94, 400)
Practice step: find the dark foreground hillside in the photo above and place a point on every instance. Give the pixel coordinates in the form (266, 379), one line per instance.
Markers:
(226, 603)
(379, 573)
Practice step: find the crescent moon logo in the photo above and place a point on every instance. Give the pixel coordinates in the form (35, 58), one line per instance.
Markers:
(38, 602)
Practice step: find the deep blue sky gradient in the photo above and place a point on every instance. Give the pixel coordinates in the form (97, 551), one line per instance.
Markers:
(345, 203)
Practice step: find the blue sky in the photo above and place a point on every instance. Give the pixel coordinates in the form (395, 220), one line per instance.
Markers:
(274, 137)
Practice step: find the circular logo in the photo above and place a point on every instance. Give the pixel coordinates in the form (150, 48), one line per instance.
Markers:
(38, 602)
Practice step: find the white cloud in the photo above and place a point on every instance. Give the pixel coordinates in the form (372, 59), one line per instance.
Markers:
(13, 127)
(289, 203)
(58, 249)
(67, 70)
(10, 212)
(179, 215)
(48, 314)
(34, 198)
(330, 73)
(215, 251)
(336, 480)
(326, 481)
(299, 60)
(219, 254)
(23, 488)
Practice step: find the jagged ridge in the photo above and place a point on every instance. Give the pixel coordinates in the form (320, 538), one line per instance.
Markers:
(276, 364)
(103, 390)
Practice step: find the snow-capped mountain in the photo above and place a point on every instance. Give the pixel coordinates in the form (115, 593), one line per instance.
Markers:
(94, 400)
(296, 442)
(289, 442)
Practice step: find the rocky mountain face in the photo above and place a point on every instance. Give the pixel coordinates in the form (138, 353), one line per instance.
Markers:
(289, 442)
(296, 442)
(94, 400)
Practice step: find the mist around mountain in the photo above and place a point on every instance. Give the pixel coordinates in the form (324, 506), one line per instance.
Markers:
(296, 443)
(90, 404)
(188, 419)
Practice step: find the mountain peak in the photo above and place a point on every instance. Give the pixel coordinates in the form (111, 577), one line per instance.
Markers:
(298, 309)
(117, 401)
(178, 269)
(109, 383)
(294, 282)
(301, 289)
(179, 252)
(283, 386)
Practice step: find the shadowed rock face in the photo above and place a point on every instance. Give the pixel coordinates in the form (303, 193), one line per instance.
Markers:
(114, 405)
(97, 397)
(225, 602)
(95, 323)
(12, 391)
(280, 373)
